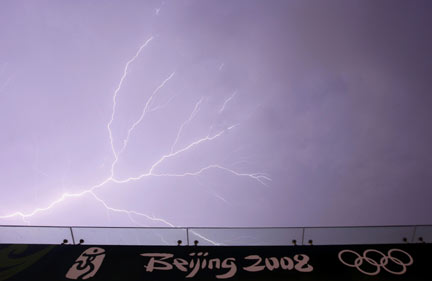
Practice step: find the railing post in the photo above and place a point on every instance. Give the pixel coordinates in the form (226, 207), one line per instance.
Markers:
(303, 235)
(414, 233)
(73, 238)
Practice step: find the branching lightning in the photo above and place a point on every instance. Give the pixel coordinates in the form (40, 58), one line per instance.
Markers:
(262, 178)
(143, 113)
(117, 90)
(129, 213)
(191, 117)
(173, 152)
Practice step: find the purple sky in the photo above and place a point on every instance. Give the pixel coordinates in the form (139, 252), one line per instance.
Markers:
(256, 113)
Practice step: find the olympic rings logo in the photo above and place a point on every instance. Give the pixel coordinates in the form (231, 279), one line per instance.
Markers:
(383, 262)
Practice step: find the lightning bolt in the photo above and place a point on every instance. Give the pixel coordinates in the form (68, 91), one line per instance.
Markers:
(116, 92)
(206, 239)
(262, 178)
(157, 10)
(144, 111)
(129, 213)
(226, 102)
(191, 117)
(158, 107)
(212, 191)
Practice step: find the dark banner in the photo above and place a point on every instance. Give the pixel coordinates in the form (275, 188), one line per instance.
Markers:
(127, 263)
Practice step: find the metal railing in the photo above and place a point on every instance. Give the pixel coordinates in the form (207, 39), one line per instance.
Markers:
(209, 236)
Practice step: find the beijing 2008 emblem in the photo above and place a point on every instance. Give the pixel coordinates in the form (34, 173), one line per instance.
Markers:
(87, 264)
(382, 263)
